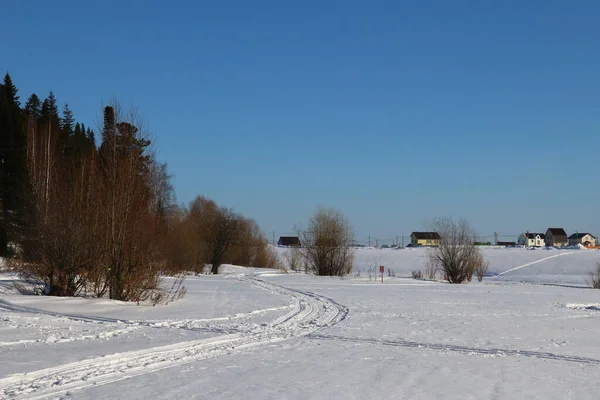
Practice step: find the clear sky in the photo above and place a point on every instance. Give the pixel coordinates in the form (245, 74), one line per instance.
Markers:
(393, 112)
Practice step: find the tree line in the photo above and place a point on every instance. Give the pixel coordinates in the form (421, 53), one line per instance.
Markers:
(82, 217)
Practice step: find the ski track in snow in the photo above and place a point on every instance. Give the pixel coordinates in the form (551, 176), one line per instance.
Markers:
(532, 263)
(461, 349)
(201, 325)
(52, 339)
(309, 313)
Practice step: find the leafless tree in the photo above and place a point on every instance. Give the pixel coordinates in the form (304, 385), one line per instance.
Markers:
(594, 277)
(182, 243)
(293, 257)
(431, 268)
(217, 229)
(416, 274)
(457, 254)
(65, 245)
(209, 234)
(99, 214)
(480, 266)
(133, 244)
(222, 236)
(327, 244)
(243, 251)
(266, 257)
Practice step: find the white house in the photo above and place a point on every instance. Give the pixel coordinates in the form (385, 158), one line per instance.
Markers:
(529, 239)
(585, 239)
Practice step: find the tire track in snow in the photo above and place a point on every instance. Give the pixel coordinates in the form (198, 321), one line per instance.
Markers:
(310, 312)
(461, 349)
(531, 263)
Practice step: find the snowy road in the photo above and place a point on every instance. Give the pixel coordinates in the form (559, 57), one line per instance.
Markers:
(309, 313)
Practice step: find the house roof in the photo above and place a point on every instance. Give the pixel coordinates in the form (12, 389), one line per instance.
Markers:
(506, 244)
(557, 232)
(426, 235)
(579, 235)
(532, 235)
(289, 241)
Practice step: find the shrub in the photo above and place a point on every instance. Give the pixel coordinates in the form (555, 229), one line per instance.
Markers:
(293, 258)
(416, 274)
(456, 256)
(326, 245)
(594, 277)
(481, 268)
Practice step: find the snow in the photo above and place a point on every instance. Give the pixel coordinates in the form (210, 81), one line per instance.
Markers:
(529, 330)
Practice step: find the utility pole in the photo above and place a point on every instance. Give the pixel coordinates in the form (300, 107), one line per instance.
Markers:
(496, 238)
(402, 241)
(369, 241)
(273, 238)
(397, 242)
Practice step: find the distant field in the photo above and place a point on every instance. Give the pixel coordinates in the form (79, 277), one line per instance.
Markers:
(512, 265)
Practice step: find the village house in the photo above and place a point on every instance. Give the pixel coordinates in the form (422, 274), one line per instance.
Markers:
(585, 239)
(289, 241)
(556, 237)
(506, 244)
(424, 239)
(529, 239)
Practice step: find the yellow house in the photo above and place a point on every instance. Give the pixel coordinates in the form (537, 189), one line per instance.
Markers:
(586, 239)
(424, 239)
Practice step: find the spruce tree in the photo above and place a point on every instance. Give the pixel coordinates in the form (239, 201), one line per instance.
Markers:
(14, 179)
(10, 90)
(33, 107)
(108, 130)
(67, 121)
(52, 105)
(50, 124)
(50, 110)
(68, 143)
(77, 131)
(91, 137)
(4, 134)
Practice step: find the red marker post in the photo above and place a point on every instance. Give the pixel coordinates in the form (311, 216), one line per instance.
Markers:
(381, 269)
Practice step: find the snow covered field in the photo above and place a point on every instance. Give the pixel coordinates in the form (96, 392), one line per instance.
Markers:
(505, 264)
(256, 334)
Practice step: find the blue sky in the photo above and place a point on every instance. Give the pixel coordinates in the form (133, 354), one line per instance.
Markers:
(393, 112)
